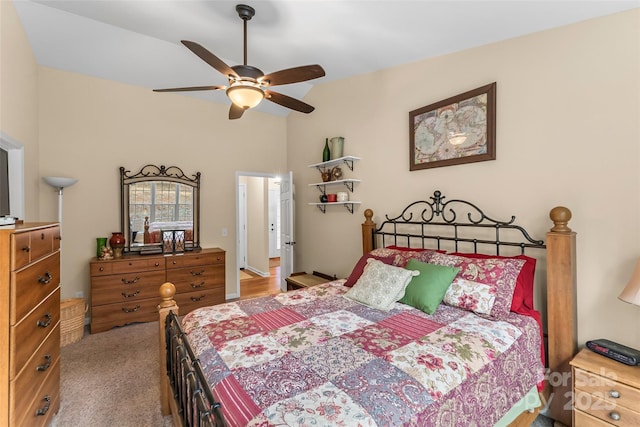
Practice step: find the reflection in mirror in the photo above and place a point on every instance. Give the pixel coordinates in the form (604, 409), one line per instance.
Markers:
(160, 209)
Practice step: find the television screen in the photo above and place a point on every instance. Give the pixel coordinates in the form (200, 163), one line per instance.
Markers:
(4, 183)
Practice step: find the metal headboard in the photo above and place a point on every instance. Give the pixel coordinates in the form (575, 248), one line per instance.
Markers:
(427, 224)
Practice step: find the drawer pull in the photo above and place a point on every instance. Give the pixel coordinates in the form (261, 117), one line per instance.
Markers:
(41, 236)
(615, 416)
(45, 323)
(196, 286)
(42, 368)
(101, 269)
(46, 279)
(131, 310)
(157, 264)
(126, 295)
(197, 273)
(130, 282)
(43, 411)
(26, 249)
(615, 394)
(194, 299)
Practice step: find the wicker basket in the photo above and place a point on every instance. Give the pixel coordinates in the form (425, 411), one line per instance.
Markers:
(71, 320)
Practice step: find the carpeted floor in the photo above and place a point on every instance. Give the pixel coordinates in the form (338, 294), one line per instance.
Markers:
(112, 379)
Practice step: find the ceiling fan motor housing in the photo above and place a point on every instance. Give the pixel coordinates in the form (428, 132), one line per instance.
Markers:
(245, 12)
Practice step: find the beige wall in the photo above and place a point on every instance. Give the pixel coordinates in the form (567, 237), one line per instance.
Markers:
(568, 133)
(90, 127)
(257, 225)
(19, 100)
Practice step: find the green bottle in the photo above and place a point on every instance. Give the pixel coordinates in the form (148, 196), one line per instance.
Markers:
(326, 154)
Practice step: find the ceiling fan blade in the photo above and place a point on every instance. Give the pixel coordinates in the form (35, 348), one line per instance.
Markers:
(287, 101)
(210, 58)
(235, 112)
(293, 75)
(192, 88)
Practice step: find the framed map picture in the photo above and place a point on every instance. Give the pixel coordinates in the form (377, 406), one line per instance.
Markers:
(457, 130)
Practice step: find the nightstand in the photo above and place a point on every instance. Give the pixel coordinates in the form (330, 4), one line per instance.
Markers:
(605, 392)
(304, 280)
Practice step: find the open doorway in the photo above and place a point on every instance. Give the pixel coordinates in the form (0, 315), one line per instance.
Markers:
(258, 231)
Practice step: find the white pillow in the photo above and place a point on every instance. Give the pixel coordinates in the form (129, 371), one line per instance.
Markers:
(380, 285)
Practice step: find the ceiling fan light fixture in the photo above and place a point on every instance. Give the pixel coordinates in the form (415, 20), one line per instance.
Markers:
(245, 95)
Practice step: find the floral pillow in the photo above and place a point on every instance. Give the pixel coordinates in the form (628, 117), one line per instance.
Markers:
(380, 285)
(402, 256)
(484, 286)
(359, 267)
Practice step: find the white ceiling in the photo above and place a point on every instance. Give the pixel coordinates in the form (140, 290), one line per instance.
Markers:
(138, 41)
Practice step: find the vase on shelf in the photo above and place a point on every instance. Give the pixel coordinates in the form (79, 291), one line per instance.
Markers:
(117, 242)
(326, 153)
(337, 145)
(101, 242)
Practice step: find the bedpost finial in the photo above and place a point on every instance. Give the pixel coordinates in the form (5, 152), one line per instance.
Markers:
(560, 217)
(368, 214)
(167, 292)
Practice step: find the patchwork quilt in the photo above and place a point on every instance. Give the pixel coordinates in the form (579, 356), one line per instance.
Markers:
(314, 358)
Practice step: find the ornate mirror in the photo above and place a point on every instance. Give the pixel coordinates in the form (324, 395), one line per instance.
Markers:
(160, 209)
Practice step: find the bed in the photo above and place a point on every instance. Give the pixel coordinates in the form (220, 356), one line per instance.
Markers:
(372, 349)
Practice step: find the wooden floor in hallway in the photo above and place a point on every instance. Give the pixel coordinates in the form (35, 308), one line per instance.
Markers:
(256, 286)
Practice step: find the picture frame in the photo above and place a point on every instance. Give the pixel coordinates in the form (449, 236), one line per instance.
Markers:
(457, 130)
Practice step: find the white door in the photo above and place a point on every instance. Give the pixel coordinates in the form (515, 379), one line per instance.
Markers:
(286, 229)
(242, 225)
(274, 222)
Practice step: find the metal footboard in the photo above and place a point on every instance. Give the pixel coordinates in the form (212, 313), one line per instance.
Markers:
(196, 403)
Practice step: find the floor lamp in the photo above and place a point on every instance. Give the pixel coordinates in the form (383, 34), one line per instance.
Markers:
(60, 183)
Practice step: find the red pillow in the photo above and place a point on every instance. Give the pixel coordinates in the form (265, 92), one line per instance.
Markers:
(522, 301)
(359, 268)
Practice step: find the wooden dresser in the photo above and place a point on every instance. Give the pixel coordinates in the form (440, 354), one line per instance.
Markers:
(605, 392)
(125, 290)
(29, 323)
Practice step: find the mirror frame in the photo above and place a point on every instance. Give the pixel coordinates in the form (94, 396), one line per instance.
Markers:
(157, 173)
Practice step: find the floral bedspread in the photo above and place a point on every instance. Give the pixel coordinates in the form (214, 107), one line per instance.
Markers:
(312, 357)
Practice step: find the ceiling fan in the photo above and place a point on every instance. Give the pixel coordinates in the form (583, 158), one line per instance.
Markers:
(247, 84)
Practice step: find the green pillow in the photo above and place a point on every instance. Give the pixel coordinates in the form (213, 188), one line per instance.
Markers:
(426, 291)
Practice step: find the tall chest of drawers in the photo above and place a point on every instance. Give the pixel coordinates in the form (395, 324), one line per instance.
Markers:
(125, 290)
(29, 323)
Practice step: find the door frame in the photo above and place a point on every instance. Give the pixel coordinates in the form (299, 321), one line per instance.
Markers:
(237, 218)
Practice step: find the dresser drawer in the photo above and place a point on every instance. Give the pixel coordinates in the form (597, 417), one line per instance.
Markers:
(20, 249)
(581, 419)
(37, 368)
(607, 389)
(105, 317)
(32, 284)
(196, 278)
(190, 301)
(617, 415)
(27, 335)
(125, 287)
(37, 410)
(29, 246)
(195, 259)
(105, 268)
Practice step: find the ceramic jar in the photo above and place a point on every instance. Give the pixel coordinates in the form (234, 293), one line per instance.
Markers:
(337, 145)
(117, 242)
(342, 196)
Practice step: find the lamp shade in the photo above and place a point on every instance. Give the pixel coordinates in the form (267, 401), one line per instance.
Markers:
(59, 181)
(245, 96)
(631, 292)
